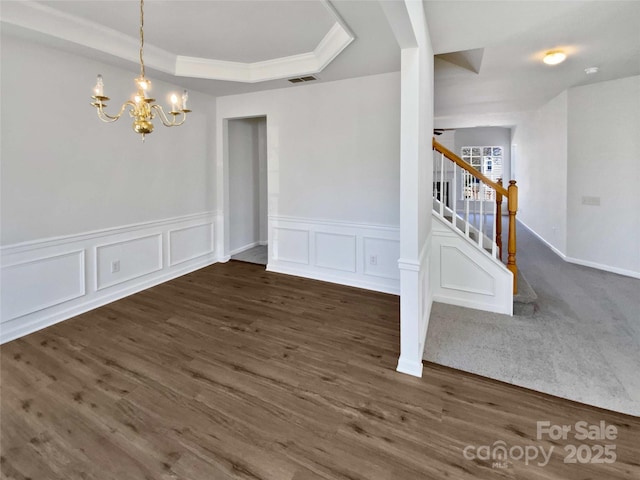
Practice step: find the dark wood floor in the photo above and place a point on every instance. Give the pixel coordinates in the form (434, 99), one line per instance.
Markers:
(234, 373)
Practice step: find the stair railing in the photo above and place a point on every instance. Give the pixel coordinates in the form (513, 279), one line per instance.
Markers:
(475, 220)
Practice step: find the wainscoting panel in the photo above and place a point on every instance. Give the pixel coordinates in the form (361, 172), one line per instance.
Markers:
(190, 242)
(135, 258)
(475, 280)
(359, 255)
(60, 279)
(461, 274)
(335, 251)
(379, 255)
(291, 245)
(50, 280)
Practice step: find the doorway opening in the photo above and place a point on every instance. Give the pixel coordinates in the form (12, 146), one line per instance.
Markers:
(247, 144)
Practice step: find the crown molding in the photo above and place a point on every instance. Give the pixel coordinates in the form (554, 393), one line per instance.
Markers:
(54, 23)
(41, 18)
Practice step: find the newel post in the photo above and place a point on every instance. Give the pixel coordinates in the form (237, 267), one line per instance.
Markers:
(512, 205)
(498, 220)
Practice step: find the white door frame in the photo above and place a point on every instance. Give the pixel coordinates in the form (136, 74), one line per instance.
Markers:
(223, 235)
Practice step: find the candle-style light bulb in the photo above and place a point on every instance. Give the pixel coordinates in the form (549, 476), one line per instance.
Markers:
(185, 97)
(174, 102)
(144, 84)
(98, 90)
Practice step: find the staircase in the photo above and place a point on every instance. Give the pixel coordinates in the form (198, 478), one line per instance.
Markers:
(467, 239)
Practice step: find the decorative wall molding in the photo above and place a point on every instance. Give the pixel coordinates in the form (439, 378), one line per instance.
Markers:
(337, 252)
(31, 245)
(136, 257)
(29, 297)
(463, 274)
(475, 280)
(50, 280)
(198, 240)
(54, 23)
(426, 290)
(290, 245)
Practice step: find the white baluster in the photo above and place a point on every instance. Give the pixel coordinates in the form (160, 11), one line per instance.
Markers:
(477, 217)
(494, 249)
(466, 215)
(442, 184)
(481, 218)
(453, 204)
(435, 170)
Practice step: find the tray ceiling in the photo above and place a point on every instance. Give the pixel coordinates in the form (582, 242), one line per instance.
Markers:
(260, 30)
(241, 41)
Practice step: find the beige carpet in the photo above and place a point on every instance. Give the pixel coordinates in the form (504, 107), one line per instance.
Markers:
(582, 344)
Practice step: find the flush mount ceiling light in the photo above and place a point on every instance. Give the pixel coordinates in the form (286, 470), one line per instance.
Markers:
(591, 70)
(142, 108)
(554, 57)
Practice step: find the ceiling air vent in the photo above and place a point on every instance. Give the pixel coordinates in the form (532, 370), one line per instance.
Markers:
(308, 78)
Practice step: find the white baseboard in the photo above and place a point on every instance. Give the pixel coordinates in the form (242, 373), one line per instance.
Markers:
(600, 266)
(463, 302)
(324, 277)
(358, 255)
(579, 261)
(50, 280)
(244, 248)
(409, 367)
(16, 328)
(543, 240)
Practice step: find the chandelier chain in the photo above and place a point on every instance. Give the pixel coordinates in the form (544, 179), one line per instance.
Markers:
(141, 108)
(141, 38)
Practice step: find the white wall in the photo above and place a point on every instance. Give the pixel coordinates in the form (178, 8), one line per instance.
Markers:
(541, 171)
(448, 139)
(247, 183)
(66, 172)
(333, 177)
(604, 162)
(584, 146)
(80, 196)
(333, 148)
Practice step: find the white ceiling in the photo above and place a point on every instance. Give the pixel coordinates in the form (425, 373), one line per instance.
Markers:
(507, 39)
(515, 35)
(239, 31)
(236, 30)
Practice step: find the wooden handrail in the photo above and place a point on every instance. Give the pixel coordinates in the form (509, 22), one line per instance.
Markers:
(464, 165)
(512, 205)
(498, 221)
(511, 195)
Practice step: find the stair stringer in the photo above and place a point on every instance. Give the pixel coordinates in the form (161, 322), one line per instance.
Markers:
(464, 274)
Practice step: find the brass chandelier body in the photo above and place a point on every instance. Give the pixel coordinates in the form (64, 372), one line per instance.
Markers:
(142, 108)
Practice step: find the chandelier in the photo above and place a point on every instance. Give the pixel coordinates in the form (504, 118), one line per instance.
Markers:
(142, 108)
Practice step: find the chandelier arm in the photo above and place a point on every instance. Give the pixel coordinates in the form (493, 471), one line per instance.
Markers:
(105, 117)
(142, 110)
(165, 121)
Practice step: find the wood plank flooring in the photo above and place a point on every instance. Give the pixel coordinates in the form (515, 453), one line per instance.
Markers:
(234, 373)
